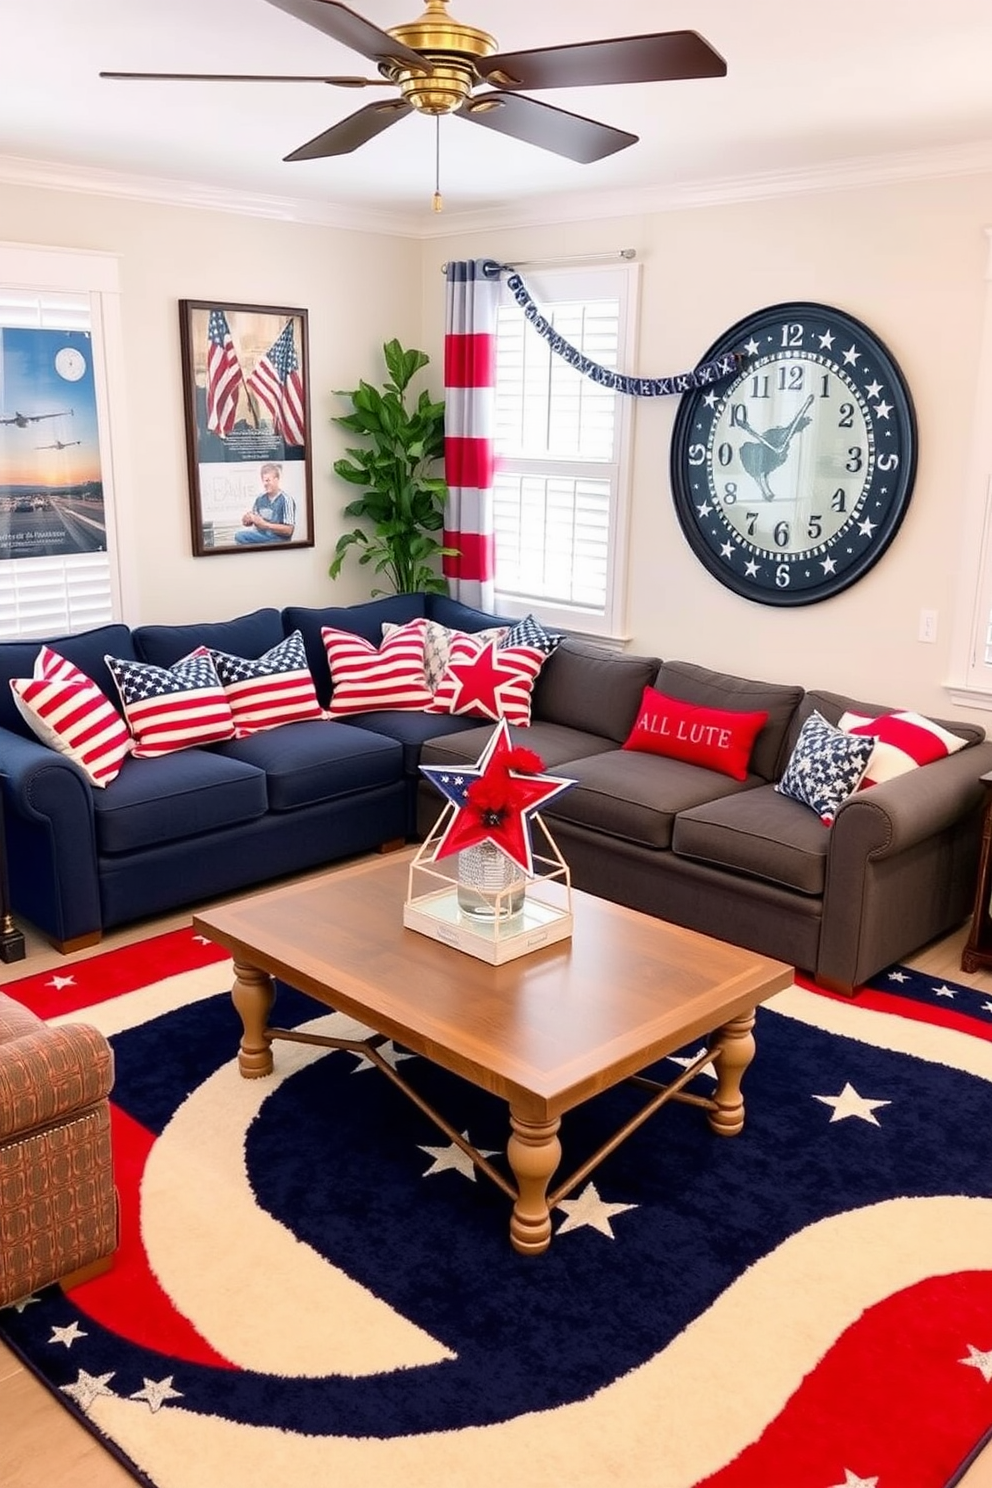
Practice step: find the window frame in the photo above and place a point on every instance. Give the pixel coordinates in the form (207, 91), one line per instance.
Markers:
(548, 286)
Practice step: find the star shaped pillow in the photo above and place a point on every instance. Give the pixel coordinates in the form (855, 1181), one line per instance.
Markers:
(485, 680)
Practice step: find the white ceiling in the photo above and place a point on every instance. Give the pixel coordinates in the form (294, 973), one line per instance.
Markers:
(809, 86)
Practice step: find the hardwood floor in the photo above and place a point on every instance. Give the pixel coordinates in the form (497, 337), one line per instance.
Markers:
(43, 1446)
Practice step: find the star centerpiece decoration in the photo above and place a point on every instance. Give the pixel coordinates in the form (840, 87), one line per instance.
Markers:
(495, 798)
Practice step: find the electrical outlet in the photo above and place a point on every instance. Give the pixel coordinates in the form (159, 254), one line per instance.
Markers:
(928, 626)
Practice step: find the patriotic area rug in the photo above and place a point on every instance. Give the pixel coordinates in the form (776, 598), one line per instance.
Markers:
(313, 1289)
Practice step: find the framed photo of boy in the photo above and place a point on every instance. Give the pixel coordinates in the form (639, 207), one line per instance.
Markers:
(247, 411)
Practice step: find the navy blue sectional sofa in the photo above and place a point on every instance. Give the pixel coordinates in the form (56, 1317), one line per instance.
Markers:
(204, 822)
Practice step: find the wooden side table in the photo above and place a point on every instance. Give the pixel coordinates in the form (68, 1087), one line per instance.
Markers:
(977, 953)
(11, 939)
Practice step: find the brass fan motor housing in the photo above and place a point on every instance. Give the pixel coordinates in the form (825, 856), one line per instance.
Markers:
(449, 49)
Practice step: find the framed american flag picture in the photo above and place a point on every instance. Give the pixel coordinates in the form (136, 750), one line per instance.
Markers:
(247, 408)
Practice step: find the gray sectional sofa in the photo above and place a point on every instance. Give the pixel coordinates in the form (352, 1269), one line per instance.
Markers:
(736, 859)
(731, 858)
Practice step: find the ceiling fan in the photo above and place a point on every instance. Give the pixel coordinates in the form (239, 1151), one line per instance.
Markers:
(437, 63)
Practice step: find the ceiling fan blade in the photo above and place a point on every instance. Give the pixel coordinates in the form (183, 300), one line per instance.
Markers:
(356, 130)
(625, 59)
(353, 30)
(250, 77)
(550, 128)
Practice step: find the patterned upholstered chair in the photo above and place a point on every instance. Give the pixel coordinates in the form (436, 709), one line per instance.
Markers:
(58, 1204)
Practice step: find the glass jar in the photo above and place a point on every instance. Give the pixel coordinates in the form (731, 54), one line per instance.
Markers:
(490, 884)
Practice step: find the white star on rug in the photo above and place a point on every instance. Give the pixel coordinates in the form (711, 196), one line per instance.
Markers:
(202, 939)
(987, 1007)
(88, 1387)
(156, 1392)
(58, 982)
(67, 1335)
(686, 1060)
(943, 991)
(850, 1103)
(851, 1480)
(24, 1302)
(590, 1209)
(454, 1158)
(388, 1052)
(980, 1361)
(898, 976)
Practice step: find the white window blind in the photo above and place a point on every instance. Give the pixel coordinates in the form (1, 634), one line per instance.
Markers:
(560, 493)
(57, 290)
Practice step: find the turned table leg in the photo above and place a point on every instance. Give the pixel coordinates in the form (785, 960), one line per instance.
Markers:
(253, 994)
(533, 1152)
(736, 1050)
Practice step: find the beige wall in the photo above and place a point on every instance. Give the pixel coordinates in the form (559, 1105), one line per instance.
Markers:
(359, 290)
(909, 260)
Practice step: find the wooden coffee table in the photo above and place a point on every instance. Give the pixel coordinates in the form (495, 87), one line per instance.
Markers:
(545, 1032)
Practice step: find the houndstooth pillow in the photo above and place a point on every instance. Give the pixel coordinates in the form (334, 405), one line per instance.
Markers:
(530, 632)
(825, 766)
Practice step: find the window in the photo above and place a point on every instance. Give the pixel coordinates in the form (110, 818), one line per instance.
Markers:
(971, 683)
(561, 492)
(58, 567)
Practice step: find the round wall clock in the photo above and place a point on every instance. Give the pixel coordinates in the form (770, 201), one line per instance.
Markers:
(791, 477)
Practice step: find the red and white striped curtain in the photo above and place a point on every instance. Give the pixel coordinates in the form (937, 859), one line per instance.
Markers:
(471, 298)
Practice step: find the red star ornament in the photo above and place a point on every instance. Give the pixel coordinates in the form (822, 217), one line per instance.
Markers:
(480, 681)
(512, 833)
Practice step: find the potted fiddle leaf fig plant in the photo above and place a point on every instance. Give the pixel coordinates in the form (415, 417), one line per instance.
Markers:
(401, 505)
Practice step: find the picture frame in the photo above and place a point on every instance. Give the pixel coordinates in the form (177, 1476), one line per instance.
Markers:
(247, 414)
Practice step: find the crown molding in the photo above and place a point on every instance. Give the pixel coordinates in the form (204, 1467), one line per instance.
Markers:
(164, 191)
(840, 175)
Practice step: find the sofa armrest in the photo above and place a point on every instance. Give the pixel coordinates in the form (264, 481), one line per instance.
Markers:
(895, 815)
(51, 839)
(902, 854)
(51, 1073)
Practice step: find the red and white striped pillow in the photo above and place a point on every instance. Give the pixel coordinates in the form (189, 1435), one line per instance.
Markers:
(68, 712)
(276, 688)
(903, 742)
(366, 680)
(170, 708)
(488, 680)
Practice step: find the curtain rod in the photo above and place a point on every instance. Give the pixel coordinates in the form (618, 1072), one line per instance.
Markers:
(565, 263)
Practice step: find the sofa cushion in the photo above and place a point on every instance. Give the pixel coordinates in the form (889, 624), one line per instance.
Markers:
(488, 681)
(758, 832)
(185, 794)
(554, 743)
(70, 714)
(247, 635)
(825, 767)
(307, 763)
(636, 797)
(698, 684)
(717, 738)
(365, 678)
(413, 731)
(595, 691)
(458, 616)
(270, 690)
(85, 650)
(903, 742)
(170, 708)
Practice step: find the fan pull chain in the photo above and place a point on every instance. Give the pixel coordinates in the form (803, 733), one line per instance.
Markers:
(437, 204)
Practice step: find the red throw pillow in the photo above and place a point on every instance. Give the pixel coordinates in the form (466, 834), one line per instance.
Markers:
(488, 681)
(716, 738)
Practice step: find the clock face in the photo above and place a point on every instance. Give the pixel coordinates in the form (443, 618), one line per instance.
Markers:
(70, 363)
(791, 476)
